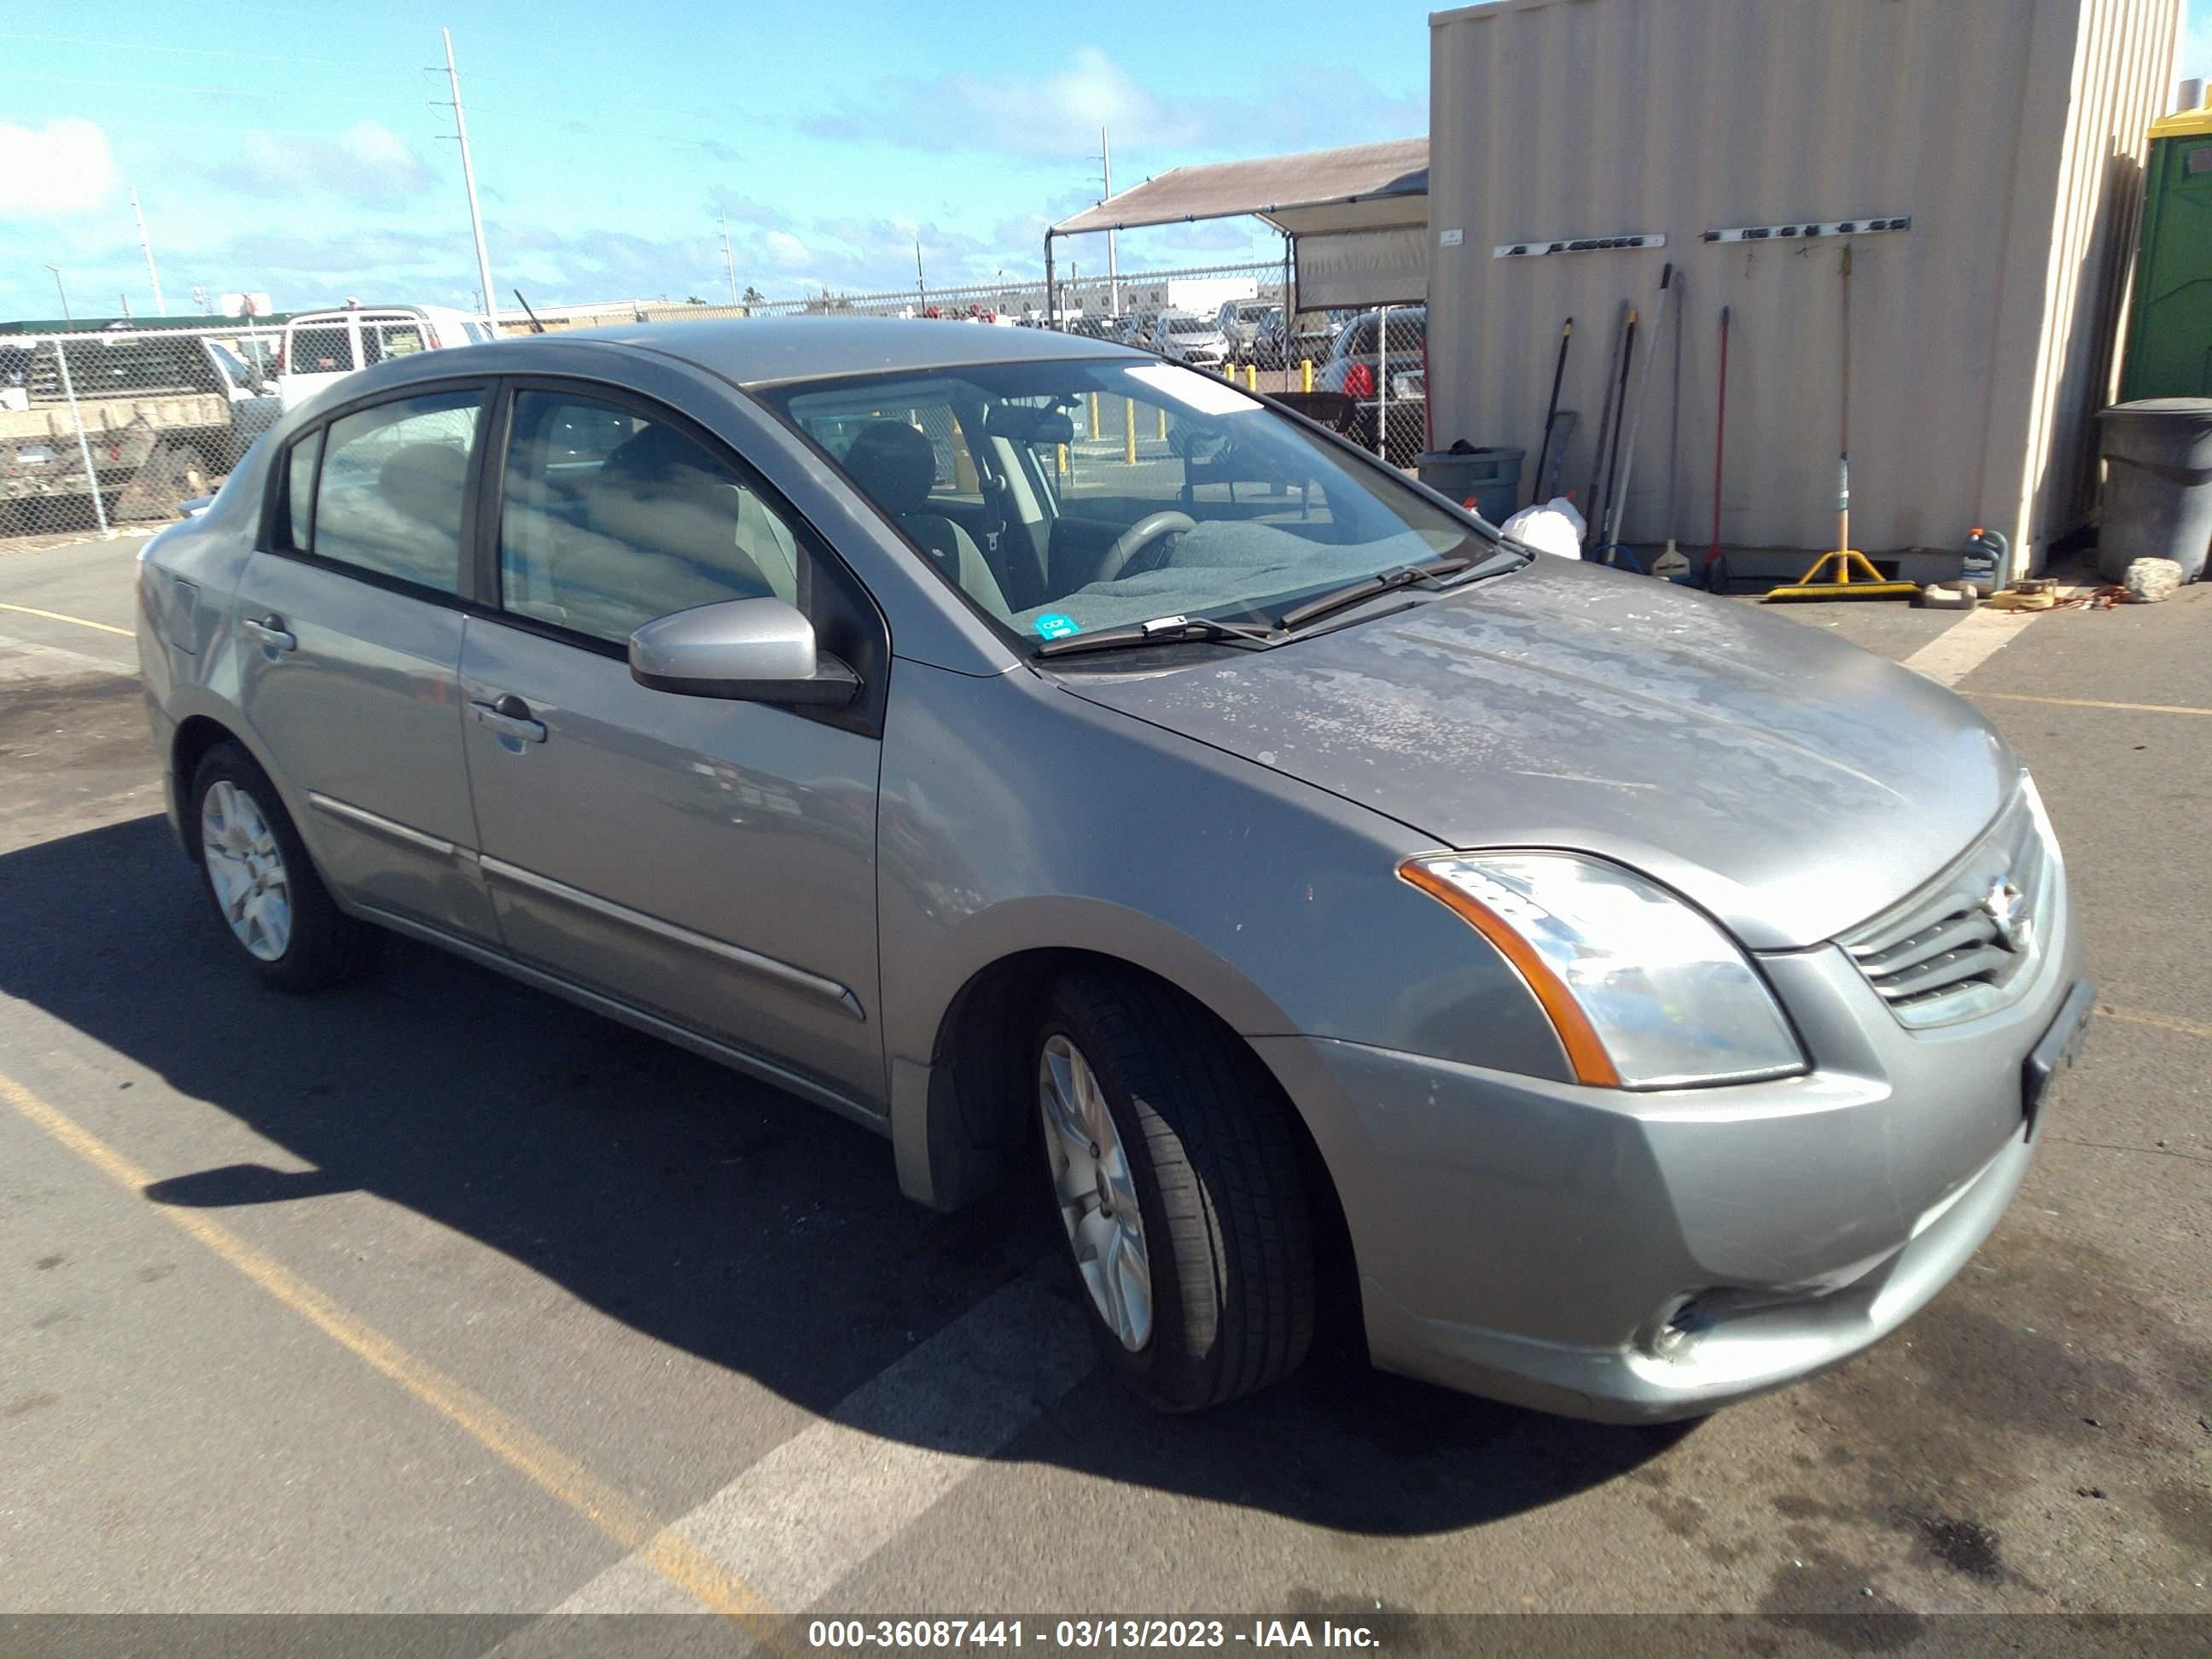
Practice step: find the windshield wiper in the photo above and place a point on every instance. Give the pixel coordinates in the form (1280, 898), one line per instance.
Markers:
(1161, 630)
(1383, 581)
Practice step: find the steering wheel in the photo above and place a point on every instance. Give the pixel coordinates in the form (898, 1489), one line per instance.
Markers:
(1140, 536)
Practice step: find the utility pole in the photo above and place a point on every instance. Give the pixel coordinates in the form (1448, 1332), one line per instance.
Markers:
(729, 260)
(921, 281)
(469, 177)
(161, 306)
(1106, 178)
(63, 292)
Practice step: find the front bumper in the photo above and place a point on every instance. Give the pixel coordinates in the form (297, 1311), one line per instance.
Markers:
(1531, 1240)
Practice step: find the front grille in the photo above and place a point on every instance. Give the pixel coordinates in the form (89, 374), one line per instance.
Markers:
(1968, 942)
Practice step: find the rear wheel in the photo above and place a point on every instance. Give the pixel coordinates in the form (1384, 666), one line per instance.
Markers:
(258, 875)
(1173, 1164)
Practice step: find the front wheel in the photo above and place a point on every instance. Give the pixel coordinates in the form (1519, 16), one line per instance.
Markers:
(1174, 1166)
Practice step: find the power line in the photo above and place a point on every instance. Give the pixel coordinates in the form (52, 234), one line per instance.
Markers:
(166, 87)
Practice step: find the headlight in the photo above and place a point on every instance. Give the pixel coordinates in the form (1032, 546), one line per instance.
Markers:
(1645, 992)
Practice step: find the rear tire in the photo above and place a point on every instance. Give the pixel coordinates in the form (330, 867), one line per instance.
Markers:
(256, 871)
(1208, 1153)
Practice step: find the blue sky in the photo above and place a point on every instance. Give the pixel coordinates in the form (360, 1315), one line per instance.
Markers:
(300, 149)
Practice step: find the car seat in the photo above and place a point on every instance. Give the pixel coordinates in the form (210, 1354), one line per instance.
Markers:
(895, 465)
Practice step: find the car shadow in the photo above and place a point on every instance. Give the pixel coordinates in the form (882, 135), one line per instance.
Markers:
(696, 1206)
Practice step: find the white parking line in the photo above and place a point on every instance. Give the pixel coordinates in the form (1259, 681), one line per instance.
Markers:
(1968, 643)
(797, 1522)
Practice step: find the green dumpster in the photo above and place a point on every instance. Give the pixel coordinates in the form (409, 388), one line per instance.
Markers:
(2169, 353)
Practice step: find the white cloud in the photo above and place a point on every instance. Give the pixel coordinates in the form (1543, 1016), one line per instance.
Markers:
(64, 168)
(368, 164)
(1058, 117)
(787, 252)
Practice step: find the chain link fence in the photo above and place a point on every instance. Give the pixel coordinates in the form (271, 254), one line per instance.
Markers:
(106, 430)
(101, 431)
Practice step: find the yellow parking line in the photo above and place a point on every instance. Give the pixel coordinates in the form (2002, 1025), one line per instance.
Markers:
(552, 1470)
(2092, 703)
(56, 616)
(2164, 1022)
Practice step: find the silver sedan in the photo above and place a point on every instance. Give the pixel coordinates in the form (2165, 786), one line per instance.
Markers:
(1085, 774)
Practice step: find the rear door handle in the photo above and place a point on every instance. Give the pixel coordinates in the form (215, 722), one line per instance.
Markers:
(510, 716)
(270, 631)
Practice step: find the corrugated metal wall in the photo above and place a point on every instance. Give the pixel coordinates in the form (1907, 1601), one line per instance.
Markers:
(2011, 131)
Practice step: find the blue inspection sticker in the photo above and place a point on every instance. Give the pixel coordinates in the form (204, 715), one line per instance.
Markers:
(1053, 625)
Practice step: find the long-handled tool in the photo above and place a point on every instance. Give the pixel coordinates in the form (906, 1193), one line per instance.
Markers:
(1713, 574)
(1549, 487)
(1617, 500)
(1854, 576)
(1588, 502)
(1601, 508)
(1673, 565)
(1552, 412)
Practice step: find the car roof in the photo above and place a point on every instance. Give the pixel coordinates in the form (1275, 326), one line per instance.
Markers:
(765, 350)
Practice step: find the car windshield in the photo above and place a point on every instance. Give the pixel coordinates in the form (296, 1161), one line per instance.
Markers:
(1062, 498)
(1189, 325)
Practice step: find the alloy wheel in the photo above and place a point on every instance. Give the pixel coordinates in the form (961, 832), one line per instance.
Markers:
(245, 867)
(1098, 1199)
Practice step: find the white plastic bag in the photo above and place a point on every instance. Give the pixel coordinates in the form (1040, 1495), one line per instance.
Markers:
(1555, 528)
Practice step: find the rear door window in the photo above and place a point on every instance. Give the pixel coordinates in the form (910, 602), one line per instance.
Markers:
(323, 348)
(390, 339)
(391, 488)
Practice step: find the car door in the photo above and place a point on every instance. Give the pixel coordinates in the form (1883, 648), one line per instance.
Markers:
(708, 862)
(348, 621)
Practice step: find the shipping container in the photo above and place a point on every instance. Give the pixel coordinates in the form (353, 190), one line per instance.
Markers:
(2010, 134)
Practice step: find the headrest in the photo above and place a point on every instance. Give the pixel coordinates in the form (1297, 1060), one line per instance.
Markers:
(425, 481)
(656, 455)
(894, 465)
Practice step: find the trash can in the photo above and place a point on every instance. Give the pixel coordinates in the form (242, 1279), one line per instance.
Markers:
(2158, 485)
(1488, 479)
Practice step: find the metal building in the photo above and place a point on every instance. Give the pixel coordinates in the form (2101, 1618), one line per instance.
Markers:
(2010, 133)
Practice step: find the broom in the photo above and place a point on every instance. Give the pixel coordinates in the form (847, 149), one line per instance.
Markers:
(1854, 576)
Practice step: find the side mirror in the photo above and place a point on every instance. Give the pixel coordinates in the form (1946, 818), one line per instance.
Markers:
(745, 650)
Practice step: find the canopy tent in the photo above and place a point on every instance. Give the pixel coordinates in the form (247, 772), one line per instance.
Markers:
(1355, 221)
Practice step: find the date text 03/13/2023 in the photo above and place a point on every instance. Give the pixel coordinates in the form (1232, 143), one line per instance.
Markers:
(942, 1634)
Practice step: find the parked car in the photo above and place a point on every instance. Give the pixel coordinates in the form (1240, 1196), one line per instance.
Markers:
(1625, 1000)
(1355, 365)
(1314, 333)
(1244, 324)
(321, 347)
(1181, 337)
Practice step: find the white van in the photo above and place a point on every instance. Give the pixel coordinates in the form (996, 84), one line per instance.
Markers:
(322, 346)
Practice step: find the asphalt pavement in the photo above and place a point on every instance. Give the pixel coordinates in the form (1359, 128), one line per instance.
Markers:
(436, 1294)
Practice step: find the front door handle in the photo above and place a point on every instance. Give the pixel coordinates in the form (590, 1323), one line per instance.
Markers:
(510, 716)
(270, 631)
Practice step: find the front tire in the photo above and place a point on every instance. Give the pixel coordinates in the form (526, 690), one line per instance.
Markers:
(1173, 1163)
(257, 874)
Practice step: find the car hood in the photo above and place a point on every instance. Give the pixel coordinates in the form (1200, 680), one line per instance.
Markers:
(1791, 784)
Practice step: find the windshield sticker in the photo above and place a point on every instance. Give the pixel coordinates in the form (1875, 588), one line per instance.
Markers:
(1053, 625)
(1201, 393)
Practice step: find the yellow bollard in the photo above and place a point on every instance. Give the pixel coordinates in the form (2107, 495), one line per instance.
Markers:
(1129, 431)
(1094, 416)
(1305, 374)
(1164, 423)
(1251, 376)
(1063, 461)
